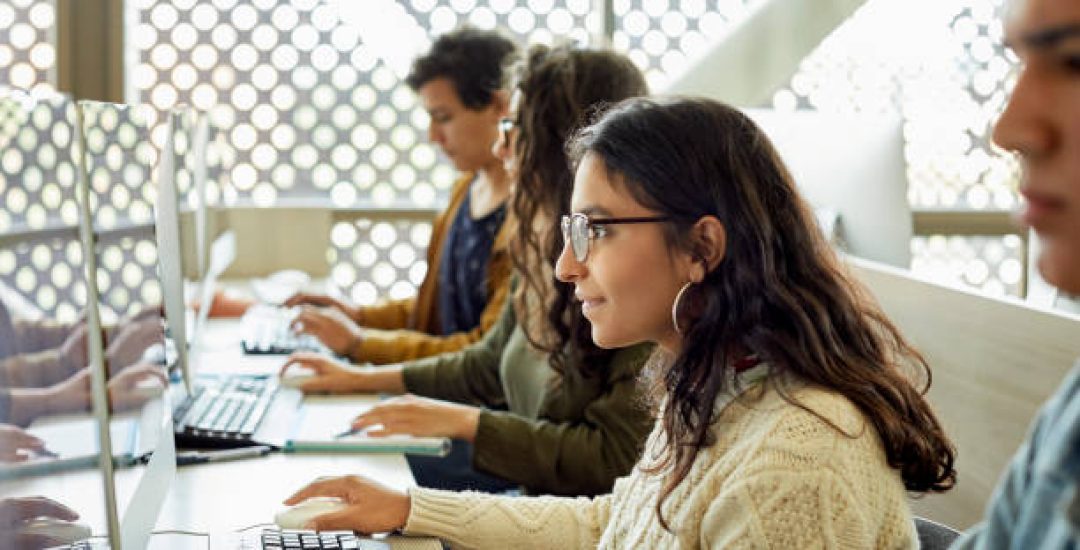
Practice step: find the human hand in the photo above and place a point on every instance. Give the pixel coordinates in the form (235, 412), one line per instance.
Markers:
(420, 416)
(13, 439)
(13, 511)
(330, 325)
(148, 312)
(330, 376)
(124, 388)
(74, 351)
(371, 507)
(322, 300)
(73, 394)
(130, 340)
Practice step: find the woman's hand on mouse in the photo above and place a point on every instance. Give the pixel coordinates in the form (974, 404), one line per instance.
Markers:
(14, 511)
(334, 377)
(371, 507)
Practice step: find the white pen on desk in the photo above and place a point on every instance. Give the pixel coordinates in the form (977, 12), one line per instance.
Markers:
(200, 457)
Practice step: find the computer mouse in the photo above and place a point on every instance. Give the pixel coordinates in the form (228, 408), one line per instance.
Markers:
(57, 530)
(296, 517)
(146, 390)
(290, 380)
(154, 354)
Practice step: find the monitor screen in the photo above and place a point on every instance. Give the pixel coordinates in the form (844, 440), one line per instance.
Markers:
(854, 167)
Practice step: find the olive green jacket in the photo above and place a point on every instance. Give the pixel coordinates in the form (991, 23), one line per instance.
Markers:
(562, 436)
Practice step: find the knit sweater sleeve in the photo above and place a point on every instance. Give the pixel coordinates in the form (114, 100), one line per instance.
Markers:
(786, 509)
(480, 520)
(806, 484)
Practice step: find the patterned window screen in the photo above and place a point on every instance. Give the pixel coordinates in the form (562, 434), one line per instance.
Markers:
(310, 105)
(311, 98)
(939, 65)
(28, 44)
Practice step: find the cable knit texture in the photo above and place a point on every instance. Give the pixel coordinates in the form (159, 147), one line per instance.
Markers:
(777, 477)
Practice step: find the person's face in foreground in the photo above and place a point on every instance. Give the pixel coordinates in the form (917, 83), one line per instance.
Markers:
(629, 278)
(1041, 123)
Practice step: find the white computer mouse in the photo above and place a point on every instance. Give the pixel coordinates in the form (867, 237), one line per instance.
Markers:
(57, 530)
(146, 390)
(296, 517)
(295, 380)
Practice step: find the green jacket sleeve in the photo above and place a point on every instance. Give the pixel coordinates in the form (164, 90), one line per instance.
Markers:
(571, 458)
(468, 376)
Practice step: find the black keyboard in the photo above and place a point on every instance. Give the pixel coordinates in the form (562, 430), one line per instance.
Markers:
(223, 412)
(272, 539)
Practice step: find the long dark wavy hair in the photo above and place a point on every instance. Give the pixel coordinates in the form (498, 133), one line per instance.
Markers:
(562, 89)
(779, 292)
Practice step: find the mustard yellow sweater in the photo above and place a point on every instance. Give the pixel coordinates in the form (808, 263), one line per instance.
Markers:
(777, 477)
(409, 328)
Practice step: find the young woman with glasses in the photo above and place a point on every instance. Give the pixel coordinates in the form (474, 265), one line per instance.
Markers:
(573, 419)
(785, 417)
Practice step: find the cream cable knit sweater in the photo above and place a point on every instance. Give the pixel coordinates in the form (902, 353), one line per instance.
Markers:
(777, 477)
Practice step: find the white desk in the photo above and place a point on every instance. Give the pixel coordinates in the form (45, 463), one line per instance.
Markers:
(217, 498)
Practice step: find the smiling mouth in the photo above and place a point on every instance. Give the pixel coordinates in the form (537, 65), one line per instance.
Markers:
(1040, 207)
(590, 304)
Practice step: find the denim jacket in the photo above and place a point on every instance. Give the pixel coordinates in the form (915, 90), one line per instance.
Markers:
(1036, 504)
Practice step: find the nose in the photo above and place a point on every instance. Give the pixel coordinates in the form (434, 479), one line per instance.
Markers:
(567, 268)
(1023, 126)
(435, 134)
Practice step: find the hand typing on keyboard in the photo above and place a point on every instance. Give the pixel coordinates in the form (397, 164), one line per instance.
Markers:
(331, 326)
(370, 506)
(323, 300)
(267, 331)
(421, 417)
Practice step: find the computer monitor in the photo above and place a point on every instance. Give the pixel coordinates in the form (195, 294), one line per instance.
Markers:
(853, 166)
(74, 471)
(27, 124)
(270, 424)
(168, 232)
(137, 514)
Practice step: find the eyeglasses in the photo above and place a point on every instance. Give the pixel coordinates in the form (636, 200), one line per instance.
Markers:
(506, 125)
(579, 229)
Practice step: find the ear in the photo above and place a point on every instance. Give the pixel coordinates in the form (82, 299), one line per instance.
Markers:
(500, 103)
(709, 242)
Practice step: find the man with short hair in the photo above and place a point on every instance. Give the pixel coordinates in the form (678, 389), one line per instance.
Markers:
(460, 84)
(1037, 503)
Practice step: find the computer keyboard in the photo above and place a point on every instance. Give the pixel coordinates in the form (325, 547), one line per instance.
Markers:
(223, 412)
(267, 331)
(272, 539)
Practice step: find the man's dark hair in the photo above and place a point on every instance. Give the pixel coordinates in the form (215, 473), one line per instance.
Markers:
(473, 60)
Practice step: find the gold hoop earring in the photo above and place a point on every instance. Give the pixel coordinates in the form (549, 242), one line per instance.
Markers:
(675, 306)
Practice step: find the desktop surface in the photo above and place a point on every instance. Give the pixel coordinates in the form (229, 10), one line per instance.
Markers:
(223, 497)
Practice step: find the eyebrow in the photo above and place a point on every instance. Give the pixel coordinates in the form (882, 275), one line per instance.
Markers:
(595, 211)
(1048, 38)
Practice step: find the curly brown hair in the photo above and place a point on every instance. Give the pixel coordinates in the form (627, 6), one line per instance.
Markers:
(563, 88)
(779, 293)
